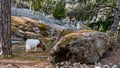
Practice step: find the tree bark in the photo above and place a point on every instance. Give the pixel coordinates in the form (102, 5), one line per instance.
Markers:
(116, 18)
(5, 27)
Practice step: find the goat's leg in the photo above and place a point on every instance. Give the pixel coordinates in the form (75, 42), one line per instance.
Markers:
(35, 49)
(27, 48)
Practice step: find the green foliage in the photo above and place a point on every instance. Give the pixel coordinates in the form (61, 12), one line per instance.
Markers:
(8, 56)
(101, 12)
(90, 9)
(102, 25)
(46, 6)
(37, 4)
(59, 11)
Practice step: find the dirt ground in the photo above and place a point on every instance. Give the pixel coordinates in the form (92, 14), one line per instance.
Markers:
(11, 63)
(111, 57)
(39, 59)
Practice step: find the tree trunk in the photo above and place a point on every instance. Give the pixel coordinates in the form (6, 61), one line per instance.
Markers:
(116, 18)
(5, 27)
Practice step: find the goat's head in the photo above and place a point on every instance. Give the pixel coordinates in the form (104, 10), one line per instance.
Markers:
(41, 45)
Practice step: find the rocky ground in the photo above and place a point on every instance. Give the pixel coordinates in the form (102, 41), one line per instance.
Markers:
(110, 58)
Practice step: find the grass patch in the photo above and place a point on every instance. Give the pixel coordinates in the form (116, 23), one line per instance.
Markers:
(20, 54)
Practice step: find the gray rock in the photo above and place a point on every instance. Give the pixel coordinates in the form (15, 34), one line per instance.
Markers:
(84, 46)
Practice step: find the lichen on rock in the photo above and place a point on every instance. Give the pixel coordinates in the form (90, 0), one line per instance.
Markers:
(30, 27)
(84, 46)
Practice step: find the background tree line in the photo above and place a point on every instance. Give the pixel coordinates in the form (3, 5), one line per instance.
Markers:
(99, 14)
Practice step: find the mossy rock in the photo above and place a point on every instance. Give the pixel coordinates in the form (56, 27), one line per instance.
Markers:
(17, 20)
(72, 36)
(43, 26)
(84, 46)
(26, 25)
(55, 32)
(67, 31)
(14, 29)
(44, 29)
(32, 35)
(44, 33)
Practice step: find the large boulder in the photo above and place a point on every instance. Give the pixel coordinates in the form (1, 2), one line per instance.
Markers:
(30, 25)
(26, 27)
(84, 46)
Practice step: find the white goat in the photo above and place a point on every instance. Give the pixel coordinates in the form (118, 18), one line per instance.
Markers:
(34, 43)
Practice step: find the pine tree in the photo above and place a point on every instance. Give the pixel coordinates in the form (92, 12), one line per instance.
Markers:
(5, 27)
(59, 11)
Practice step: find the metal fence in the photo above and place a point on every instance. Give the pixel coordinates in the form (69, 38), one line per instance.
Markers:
(36, 15)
